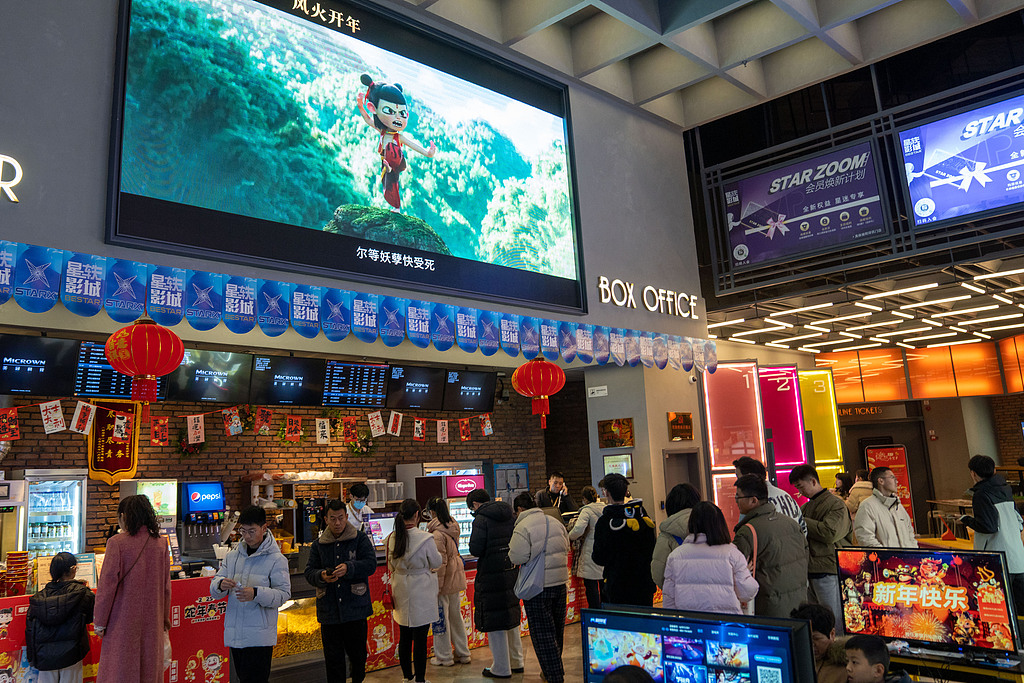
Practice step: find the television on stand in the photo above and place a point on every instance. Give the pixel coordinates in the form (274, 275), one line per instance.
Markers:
(696, 647)
(955, 602)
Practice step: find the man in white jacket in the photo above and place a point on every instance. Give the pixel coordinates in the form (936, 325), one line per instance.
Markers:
(255, 579)
(538, 538)
(881, 520)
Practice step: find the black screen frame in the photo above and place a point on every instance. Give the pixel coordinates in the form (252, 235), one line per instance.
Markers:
(261, 394)
(179, 390)
(448, 404)
(394, 399)
(61, 353)
(170, 227)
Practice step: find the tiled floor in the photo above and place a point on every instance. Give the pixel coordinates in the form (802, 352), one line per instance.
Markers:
(572, 658)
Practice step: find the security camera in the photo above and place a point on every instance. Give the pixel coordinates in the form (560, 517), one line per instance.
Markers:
(693, 379)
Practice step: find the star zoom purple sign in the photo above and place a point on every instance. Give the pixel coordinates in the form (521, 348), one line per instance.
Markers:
(966, 163)
(805, 207)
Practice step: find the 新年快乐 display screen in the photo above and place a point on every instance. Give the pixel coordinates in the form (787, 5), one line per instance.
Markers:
(326, 138)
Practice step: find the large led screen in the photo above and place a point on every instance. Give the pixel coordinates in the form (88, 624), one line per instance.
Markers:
(326, 138)
(813, 205)
(965, 164)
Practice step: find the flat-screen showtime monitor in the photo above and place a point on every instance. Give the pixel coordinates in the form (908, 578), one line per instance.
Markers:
(355, 384)
(686, 647)
(469, 390)
(41, 366)
(949, 600)
(481, 199)
(216, 376)
(413, 386)
(283, 380)
(379, 526)
(96, 378)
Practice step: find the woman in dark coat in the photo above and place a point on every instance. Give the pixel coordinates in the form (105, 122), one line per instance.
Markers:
(58, 615)
(495, 605)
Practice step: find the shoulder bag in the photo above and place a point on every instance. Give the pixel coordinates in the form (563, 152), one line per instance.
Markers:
(530, 582)
(748, 607)
(387, 598)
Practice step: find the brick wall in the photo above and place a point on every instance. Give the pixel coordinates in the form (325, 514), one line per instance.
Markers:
(566, 439)
(517, 438)
(1007, 414)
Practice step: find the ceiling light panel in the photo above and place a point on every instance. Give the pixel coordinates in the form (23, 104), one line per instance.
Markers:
(947, 300)
(897, 292)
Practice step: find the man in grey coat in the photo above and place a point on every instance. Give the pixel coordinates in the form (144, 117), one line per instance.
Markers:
(254, 577)
(996, 522)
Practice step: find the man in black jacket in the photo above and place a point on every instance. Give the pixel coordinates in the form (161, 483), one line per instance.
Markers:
(55, 634)
(495, 605)
(624, 545)
(555, 495)
(996, 523)
(340, 564)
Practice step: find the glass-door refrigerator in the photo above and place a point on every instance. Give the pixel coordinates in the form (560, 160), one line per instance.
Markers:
(453, 488)
(56, 511)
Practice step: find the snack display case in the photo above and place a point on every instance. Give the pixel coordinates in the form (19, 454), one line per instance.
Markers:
(298, 631)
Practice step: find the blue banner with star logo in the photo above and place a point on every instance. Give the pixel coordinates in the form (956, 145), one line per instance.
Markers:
(81, 287)
(631, 339)
(602, 344)
(204, 299)
(273, 306)
(37, 277)
(510, 334)
(8, 257)
(549, 339)
(465, 328)
(645, 342)
(617, 342)
(585, 342)
(442, 326)
(391, 319)
(529, 337)
(336, 314)
(567, 341)
(240, 304)
(686, 354)
(488, 332)
(306, 310)
(124, 295)
(417, 323)
(165, 295)
(364, 316)
(674, 359)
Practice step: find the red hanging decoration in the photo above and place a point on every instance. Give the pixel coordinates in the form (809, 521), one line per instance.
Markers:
(539, 379)
(144, 351)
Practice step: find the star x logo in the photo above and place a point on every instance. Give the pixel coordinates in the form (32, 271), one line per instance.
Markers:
(442, 323)
(336, 310)
(36, 274)
(529, 334)
(272, 304)
(488, 328)
(124, 286)
(202, 296)
(568, 338)
(392, 317)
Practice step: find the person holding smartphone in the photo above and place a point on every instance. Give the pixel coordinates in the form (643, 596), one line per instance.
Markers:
(255, 579)
(340, 564)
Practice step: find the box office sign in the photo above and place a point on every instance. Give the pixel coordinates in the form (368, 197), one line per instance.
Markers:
(10, 175)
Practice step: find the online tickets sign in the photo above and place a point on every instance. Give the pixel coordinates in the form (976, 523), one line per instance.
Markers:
(804, 207)
(965, 164)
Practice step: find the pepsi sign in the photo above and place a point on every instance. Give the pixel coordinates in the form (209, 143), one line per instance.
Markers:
(205, 496)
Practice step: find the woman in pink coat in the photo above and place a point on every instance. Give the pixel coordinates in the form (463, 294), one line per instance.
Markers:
(707, 573)
(133, 598)
(451, 643)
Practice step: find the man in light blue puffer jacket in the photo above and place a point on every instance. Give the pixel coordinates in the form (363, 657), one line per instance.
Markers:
(996, 522)
(254, 577)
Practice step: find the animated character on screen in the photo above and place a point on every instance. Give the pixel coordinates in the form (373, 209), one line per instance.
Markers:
(965, 629)
(383, 107)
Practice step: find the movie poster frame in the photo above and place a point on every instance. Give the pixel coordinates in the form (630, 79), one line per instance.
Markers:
(961, 107)
(493, 282)
(883, 200)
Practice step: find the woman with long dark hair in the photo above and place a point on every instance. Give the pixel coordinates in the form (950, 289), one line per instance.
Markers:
(678, 503)
(413, 559)
(707, 573)
(844, 482)
(451, 643)
(582, 533)
(133, 597)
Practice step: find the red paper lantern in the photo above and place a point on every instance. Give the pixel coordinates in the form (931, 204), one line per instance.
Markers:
(144, 351)
(538, 379)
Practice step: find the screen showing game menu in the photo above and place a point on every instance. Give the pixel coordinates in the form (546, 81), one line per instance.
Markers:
(688, 647)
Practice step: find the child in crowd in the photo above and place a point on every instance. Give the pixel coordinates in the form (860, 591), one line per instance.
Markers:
(867, 661)
(829, 653)
(58, 615)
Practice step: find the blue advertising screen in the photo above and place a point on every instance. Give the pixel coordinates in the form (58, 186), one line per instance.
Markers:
(327, 137)
(678, 647)
(965, 164)
(202, 496)
(805, 207)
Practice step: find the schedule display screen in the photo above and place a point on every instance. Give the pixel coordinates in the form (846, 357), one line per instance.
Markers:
(354, 384)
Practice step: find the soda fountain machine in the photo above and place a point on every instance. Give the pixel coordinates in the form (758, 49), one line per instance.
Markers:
(203, 510)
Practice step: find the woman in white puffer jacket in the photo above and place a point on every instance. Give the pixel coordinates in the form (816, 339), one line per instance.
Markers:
(591, 572)
(707, 573)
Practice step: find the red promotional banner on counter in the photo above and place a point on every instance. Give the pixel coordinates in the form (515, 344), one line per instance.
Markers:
(895, 458)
